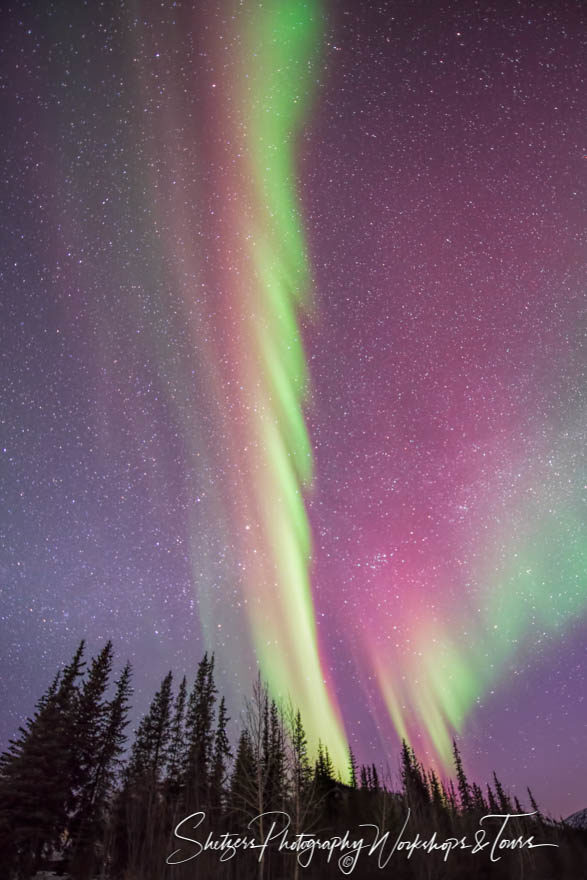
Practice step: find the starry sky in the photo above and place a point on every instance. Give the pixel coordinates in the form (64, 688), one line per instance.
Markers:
(292, 364)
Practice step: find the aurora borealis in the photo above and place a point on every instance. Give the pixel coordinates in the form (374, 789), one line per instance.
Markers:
(293, 295)
(267, 280)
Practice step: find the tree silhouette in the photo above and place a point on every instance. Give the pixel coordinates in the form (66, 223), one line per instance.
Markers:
(464, 788)
(38, 774)
(65, 793)
(352, 769)
(220, 761)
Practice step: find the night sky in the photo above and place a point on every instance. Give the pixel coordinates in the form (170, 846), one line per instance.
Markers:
(292, 364)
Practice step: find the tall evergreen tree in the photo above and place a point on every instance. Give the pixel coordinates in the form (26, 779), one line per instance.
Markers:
(115, 737)
(436, 795)
(478, 800)
(324, 771)
(352, 769)
(414, 782)
(535, 807)
(57, 778)
(243, 788)
(365, 781)
(451, 797)
(491, 801)
(86, 742)
(139, 813)
(462, 782)
(301, 770)
(274, 758)
(503, 800)
(200, 735)
(37, 776)
(101, 764)
(176, 758)
(150, 749)
(374, 778)
(220, 761)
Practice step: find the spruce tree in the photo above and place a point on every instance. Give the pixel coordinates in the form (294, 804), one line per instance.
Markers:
(413, 779)
(200, 735)
(150, 749)
(301, 770)
(176, 758)
(37, 776)
(328, 765)
(114, 738)
(462, 782)
(374, 778)
(324, 771)
(451, 797)
(503, 800)
(535, 808)
(275, 760)
(478, 800)
(365, 783)
(110, 767)
(352, 769)
(243, 788)
(491, 801)
(139, 825)
(220, 761)
(86, 745)
(92, 816)
(436, 795)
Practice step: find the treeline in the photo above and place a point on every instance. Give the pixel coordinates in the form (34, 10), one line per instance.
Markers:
(79, 797)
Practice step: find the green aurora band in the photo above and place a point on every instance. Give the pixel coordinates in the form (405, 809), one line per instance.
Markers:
(532, 587)
(270, 96)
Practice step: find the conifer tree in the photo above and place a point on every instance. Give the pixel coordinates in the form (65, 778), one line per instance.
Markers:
(86, 743)
(101, 764)
(478, 800)
(535, 807)
(58, 777)
(114, 739)
(503, 800)
(324, 771)
(200, 735)
(301, 770)
(37, 775)
(138, 825)
(243, 789)
(462, 782)
(451, 797)
(92, 712)
(220, 761)
(274, 759)
(491, 801)
(414, 783)
(352, 769)
(365, 782)
(176, 758)
(436, 795)
(150, 749)
(374, 778)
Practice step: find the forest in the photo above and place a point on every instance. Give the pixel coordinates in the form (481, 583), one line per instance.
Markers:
(82, 797)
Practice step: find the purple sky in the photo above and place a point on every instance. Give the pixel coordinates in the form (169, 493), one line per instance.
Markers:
(442, 181)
